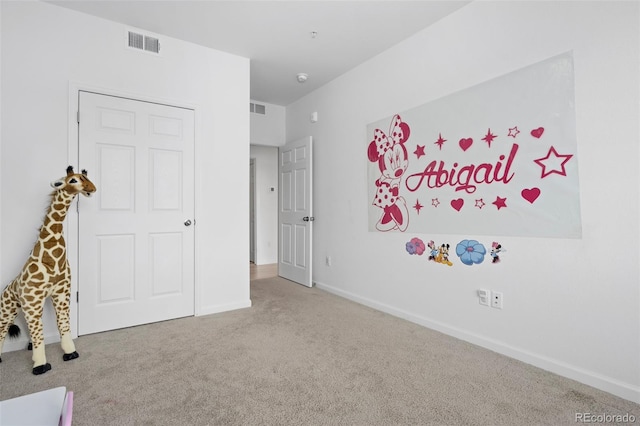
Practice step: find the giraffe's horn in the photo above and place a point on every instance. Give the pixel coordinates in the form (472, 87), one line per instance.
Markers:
(69, 170)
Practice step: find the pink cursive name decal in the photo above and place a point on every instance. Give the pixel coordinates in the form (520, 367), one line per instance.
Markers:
(466, 178)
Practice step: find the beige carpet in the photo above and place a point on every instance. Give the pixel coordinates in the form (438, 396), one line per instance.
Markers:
(301, 356)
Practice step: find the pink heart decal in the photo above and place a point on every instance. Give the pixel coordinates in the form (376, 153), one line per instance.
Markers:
(536, 133)
(457, 204)
(465, 143)
(530, 194)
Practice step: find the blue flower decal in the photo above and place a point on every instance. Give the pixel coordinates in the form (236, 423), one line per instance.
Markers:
(470, 252)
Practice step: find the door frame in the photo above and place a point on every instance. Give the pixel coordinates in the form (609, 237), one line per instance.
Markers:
(73, 146)
(253, 214)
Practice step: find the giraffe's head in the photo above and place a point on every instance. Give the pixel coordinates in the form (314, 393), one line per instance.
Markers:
(75, 183)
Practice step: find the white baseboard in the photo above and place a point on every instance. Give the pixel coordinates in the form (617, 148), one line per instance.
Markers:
(216, 309)
(22, 342)
(607, 384)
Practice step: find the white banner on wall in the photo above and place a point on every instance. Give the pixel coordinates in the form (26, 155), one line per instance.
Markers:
(499, 158)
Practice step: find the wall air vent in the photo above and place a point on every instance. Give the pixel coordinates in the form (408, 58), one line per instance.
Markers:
(151, 44)
(143, 42)
(136, 40)
(257, 108)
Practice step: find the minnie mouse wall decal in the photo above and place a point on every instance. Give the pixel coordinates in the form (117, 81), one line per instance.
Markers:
(389, 151)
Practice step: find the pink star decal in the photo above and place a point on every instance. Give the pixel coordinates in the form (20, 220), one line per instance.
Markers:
(489, 137)
(480, 203)
(440, 141)
(513, 132)
(500, 202)
(553, 164)
(419, 152)
(418, 206)
(435, 202)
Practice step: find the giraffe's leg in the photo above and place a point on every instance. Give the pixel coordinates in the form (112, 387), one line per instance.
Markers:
(60, 299)
(9, 307)
(33, 315)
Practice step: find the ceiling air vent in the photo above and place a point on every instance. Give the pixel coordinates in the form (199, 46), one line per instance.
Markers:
(143, 42)
(257, 108)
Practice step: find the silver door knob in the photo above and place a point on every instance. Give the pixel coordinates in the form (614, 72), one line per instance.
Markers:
(187, 222)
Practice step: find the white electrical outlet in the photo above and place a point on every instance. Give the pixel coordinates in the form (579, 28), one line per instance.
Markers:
(484, 296)
(496, 299)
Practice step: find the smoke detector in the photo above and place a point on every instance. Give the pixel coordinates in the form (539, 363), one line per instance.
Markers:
(302, 77)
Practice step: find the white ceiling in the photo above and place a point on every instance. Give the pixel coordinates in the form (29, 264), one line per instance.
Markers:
(276, 35)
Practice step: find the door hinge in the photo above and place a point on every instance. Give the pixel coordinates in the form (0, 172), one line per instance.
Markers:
(77, 297)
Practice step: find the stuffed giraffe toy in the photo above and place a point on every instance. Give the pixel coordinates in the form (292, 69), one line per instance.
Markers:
(46, 274)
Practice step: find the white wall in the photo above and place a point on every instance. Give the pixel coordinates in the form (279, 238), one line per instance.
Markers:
(268, 129)
(266, 207)
(46, 50)
(570, 306)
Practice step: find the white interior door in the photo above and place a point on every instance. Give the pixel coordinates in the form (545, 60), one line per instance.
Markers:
(295, 211)
(136, 236)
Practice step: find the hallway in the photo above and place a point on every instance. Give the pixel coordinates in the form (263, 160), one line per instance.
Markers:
(258, 272)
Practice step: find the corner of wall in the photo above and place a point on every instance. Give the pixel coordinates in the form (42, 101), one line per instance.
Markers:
(216, 309)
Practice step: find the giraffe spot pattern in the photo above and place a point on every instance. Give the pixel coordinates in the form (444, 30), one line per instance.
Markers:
(48, 261)
(49, 244)
(56, 228)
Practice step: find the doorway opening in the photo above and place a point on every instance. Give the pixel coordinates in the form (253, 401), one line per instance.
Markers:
(263, 205)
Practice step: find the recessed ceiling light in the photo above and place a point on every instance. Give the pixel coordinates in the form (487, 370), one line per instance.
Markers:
(302, 77)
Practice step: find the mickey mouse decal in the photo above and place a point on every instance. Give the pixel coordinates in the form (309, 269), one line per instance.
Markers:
(389, 151)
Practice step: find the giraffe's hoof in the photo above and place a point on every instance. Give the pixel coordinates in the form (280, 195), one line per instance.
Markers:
(69, 357)
(41, 369)
(30, 346)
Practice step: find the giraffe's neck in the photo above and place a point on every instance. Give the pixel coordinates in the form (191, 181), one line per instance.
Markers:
(52, 226)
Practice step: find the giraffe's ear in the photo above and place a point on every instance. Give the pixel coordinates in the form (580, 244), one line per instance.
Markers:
(59, 183)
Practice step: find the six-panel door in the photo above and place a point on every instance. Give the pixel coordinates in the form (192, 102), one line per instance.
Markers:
(136, 248)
